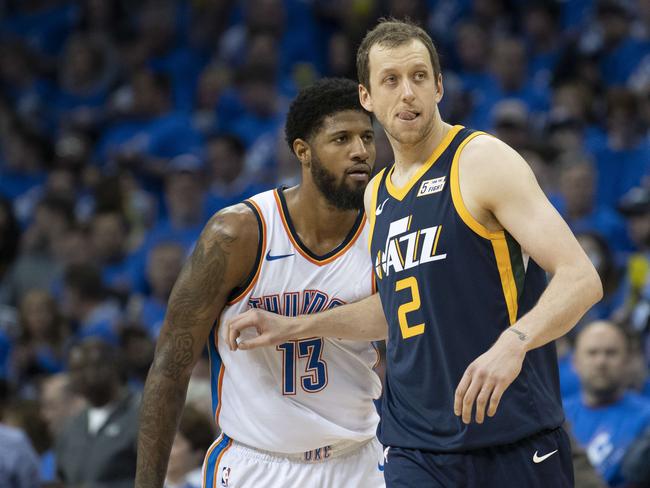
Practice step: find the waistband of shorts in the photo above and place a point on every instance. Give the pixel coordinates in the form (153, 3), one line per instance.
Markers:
(314, 456)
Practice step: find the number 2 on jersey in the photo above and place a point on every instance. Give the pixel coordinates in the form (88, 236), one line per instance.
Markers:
(409, 330)
(315, 377)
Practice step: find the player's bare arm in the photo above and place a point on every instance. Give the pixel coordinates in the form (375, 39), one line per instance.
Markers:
(361, 321)
(500, 192)
(222, 259)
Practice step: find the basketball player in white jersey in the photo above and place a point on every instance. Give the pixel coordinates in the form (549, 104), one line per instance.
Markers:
(300, 414)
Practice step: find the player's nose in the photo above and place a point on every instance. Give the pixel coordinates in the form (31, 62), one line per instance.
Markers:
(408, 95)
(359, 151)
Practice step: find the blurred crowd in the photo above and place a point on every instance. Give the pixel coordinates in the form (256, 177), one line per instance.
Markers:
(125, 124)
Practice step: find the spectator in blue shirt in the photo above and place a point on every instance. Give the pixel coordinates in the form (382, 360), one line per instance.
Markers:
(108, 236)
(164, 263)
(86, 304)
(229, 182)
(147, 129)
(44, 331)
(578, 205)
(606, 418)
(19, 461)
(87, 72)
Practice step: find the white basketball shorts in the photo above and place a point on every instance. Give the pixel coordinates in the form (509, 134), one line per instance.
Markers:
(229, 464)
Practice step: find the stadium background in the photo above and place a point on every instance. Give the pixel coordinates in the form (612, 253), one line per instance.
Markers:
(125, 124)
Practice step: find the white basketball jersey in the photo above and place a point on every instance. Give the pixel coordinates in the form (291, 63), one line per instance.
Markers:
(303, 394)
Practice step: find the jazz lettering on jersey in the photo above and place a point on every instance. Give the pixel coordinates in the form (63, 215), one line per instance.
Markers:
(406, 248)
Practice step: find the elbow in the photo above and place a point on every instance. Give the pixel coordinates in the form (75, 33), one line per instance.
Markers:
(594, 285)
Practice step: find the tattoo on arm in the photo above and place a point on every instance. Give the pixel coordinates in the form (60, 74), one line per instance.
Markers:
(190, 312)
(522, 336)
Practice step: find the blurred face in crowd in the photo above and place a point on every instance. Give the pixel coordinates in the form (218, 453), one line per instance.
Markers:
(509, 63)
(224, 162)
(577, 185)
(38, 312)
(183, 458)
(149, 97)
(80, 61)
(73, 247)
(265, 16)
(184, 197)
(163, 266)
(93, 373)
(601, 361)
(108, 236)
(472, 44)
(404, 92)
(639, 230)
(58, 403)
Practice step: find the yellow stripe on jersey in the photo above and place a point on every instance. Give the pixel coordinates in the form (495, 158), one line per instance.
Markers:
(497, 238)
(401, 192)
(373, 204)
(508, 284)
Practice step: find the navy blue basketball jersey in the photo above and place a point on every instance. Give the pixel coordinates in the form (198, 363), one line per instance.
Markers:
(449, 287)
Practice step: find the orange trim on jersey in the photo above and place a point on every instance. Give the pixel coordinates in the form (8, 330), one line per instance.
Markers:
(371, 212)
(401, 192)
(317, 262)
(207, 457)
(261, 258)
(216, 464)
(497, 238)
(221, 372)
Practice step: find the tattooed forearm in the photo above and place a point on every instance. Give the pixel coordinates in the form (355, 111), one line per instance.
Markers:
(191, 311)
(181, 355)
(201, 278)
(161, 408)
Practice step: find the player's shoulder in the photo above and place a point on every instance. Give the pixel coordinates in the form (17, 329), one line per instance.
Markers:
(486, 151)
(234, 223)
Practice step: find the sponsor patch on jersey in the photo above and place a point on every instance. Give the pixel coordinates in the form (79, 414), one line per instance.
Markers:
(431, 186)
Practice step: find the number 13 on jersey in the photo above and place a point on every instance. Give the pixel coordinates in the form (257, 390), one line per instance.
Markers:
(315, 377)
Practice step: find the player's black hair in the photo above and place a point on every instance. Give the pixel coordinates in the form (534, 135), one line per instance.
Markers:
(317, 102)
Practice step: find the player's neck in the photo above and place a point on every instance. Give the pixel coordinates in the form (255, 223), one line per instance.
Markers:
(320, 225)
(410, 156)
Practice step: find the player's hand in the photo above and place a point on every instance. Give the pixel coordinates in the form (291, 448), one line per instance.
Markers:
(488, 376)
(272, 329)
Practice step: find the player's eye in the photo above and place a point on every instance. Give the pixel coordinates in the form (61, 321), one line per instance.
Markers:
(420, 75)
(390, 79)
(341, 139)
(368, 137)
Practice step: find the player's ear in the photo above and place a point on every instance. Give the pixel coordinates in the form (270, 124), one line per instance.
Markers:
(440, 91)
(364, 98)
(303, 151)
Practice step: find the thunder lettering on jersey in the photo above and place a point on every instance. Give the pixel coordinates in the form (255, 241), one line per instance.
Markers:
(305, 394)
(449, 287)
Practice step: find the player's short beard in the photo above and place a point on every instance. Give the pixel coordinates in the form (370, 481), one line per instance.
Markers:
(337, 193)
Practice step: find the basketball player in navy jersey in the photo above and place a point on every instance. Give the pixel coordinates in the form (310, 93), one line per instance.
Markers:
(301, 414)
(461, 238)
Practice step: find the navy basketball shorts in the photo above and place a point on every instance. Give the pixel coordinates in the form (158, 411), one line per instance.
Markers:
(540, 461)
